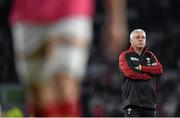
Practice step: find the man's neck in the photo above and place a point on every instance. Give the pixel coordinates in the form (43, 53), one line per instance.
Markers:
(138, 50)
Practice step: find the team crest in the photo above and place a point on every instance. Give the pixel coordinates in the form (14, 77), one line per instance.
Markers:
(148, 61)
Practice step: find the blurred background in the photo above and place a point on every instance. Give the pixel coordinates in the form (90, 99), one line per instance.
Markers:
(101, 94)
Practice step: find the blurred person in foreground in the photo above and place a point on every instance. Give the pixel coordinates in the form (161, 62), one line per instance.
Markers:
(51, 41)
(139, 68)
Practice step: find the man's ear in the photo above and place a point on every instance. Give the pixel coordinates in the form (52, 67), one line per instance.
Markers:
(131, 41)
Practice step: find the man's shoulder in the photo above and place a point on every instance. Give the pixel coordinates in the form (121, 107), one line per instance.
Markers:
(125, 51)
(124, 54)
(150, 52)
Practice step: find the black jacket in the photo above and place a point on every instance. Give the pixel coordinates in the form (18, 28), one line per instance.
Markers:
(139, 86)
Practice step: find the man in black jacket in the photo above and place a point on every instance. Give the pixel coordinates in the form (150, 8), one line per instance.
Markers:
(139, 68)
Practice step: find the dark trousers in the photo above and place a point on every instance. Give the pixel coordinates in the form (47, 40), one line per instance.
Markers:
(136, 111)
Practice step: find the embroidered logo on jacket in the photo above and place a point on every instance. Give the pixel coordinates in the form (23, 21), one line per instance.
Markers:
(134, 59)
(148, 61)
(129, 110)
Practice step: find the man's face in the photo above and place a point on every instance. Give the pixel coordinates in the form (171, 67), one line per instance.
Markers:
(138, 40)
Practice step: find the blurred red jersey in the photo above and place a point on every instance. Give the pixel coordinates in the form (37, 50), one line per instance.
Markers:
(48, 11)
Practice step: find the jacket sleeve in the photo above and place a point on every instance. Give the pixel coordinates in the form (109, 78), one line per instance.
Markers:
(155, 69)
(126, 68)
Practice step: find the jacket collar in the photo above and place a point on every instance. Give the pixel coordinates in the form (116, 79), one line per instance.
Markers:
(132, 49)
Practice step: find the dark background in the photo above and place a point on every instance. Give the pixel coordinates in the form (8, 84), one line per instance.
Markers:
(101, 88)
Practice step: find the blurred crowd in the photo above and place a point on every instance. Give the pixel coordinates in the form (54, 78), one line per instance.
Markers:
(101, 92)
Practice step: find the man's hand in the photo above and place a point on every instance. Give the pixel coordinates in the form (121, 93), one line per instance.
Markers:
(138, 67)
(154, 64)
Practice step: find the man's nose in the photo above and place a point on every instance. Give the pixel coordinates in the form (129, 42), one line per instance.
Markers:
(141, 39)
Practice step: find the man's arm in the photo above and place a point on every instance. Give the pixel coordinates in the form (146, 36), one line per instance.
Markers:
(128, 71)
(155, 69)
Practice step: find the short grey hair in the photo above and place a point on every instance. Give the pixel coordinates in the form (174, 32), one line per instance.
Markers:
(136, 30)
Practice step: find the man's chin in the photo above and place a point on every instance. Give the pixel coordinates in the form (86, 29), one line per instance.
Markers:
(141, 47)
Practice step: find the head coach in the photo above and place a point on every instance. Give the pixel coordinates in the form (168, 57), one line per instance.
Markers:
(139, 68)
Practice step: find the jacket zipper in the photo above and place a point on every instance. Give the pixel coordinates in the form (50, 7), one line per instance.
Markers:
(141, 57)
